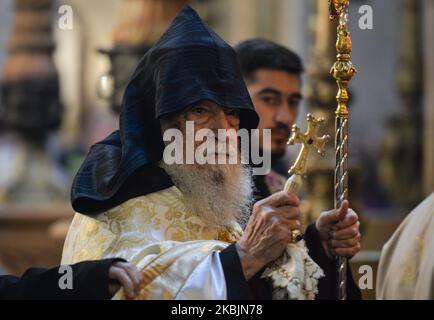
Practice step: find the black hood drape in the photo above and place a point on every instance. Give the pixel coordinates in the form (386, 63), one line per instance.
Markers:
(188, 64)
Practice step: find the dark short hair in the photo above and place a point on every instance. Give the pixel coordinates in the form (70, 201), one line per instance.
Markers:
(255, 54)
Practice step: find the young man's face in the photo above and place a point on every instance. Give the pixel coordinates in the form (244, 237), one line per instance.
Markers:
(276, 96)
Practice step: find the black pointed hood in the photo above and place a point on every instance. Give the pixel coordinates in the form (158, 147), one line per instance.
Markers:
(188, 64)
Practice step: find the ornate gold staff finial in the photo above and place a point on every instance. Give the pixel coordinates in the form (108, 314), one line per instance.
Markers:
(336, 8)
(342, 71)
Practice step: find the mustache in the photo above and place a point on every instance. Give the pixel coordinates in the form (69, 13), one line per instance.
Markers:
(216, 146)
(280, 127)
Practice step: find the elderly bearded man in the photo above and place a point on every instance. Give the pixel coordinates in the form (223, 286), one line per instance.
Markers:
(180, 223)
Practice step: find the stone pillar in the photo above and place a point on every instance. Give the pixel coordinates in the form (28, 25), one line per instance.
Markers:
(401, 153)
(428, 108)
(142, 22)
(30, 88)
(33, 190)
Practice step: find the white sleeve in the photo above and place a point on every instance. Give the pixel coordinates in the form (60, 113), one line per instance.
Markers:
(206, 282)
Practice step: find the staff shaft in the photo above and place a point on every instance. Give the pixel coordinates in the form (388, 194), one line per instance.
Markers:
(342, 70)
(341, 193)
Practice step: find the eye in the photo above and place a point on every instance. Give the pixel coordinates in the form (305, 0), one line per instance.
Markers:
(270, 100)
(233, 113)
(294, 102)
(199, 110)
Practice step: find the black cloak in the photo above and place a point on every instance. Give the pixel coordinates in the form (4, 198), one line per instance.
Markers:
(188, 64)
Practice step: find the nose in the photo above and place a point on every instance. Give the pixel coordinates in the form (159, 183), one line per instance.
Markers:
(222, 121)
(285, 115)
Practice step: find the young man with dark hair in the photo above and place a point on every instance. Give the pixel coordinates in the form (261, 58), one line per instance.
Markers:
(273, 77)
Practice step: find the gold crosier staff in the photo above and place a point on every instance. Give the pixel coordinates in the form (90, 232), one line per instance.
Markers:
(342, 71)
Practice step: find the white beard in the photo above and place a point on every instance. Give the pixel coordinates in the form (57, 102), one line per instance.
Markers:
(220, 194)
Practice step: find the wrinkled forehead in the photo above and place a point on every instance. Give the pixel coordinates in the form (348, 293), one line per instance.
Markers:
(210, 104)
(201, 103)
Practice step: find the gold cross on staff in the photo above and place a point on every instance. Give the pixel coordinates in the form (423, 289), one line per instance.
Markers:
(308, 141)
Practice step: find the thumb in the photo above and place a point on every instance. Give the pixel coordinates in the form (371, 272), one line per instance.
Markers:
(334, 216)
(343, 210)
